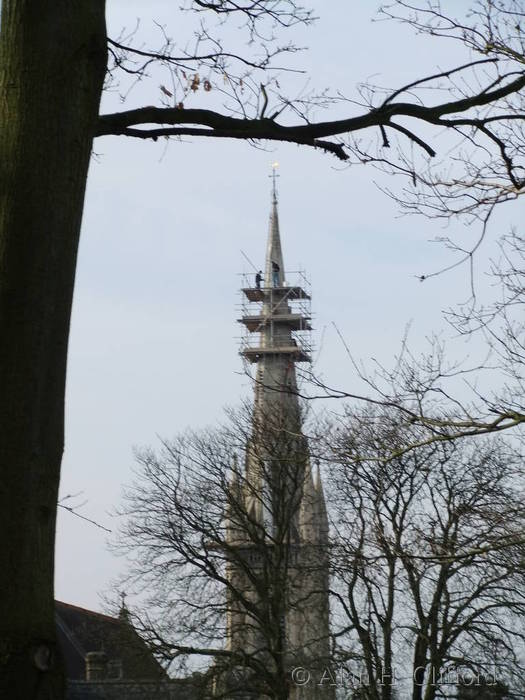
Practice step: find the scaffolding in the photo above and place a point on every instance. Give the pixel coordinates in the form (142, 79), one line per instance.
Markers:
(276, 320)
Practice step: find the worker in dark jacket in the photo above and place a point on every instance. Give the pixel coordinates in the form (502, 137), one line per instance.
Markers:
(258, 279)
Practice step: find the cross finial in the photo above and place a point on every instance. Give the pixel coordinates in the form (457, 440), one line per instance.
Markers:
(123, 613)
(274, 177)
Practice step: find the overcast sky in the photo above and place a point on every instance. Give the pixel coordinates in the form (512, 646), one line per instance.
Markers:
(153, 345)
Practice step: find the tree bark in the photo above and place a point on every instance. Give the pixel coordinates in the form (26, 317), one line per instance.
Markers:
(52, 65)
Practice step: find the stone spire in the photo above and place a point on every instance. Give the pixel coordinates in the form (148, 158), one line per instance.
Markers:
(274, 254)
(275, 345)
(280, 489)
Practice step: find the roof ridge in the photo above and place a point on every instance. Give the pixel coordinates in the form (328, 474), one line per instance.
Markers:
(89, 612)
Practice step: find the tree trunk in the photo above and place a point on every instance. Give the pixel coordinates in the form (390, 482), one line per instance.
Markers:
(52, 65)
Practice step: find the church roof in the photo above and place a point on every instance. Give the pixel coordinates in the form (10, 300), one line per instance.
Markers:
(81, 631)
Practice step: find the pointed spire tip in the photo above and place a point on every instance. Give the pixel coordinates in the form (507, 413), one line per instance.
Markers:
(274, 177)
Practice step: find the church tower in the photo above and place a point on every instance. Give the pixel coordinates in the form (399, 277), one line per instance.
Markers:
(277, 527)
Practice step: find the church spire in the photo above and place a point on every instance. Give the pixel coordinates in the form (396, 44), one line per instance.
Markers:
(276, 319)
(275, 337)
(284, 547)
(274, 255)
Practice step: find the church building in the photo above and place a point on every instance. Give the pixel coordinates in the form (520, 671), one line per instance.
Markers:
(277, 526)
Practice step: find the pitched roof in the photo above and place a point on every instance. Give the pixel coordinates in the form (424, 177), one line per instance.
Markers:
(81, 631)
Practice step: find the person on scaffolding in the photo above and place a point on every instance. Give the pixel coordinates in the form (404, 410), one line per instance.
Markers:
(275, 273)
(258, 279)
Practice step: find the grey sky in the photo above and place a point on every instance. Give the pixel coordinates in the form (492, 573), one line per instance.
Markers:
(153, 340)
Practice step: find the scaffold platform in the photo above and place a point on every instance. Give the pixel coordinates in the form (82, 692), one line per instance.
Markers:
(296, 353)
(262, 293)
(256, 323)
